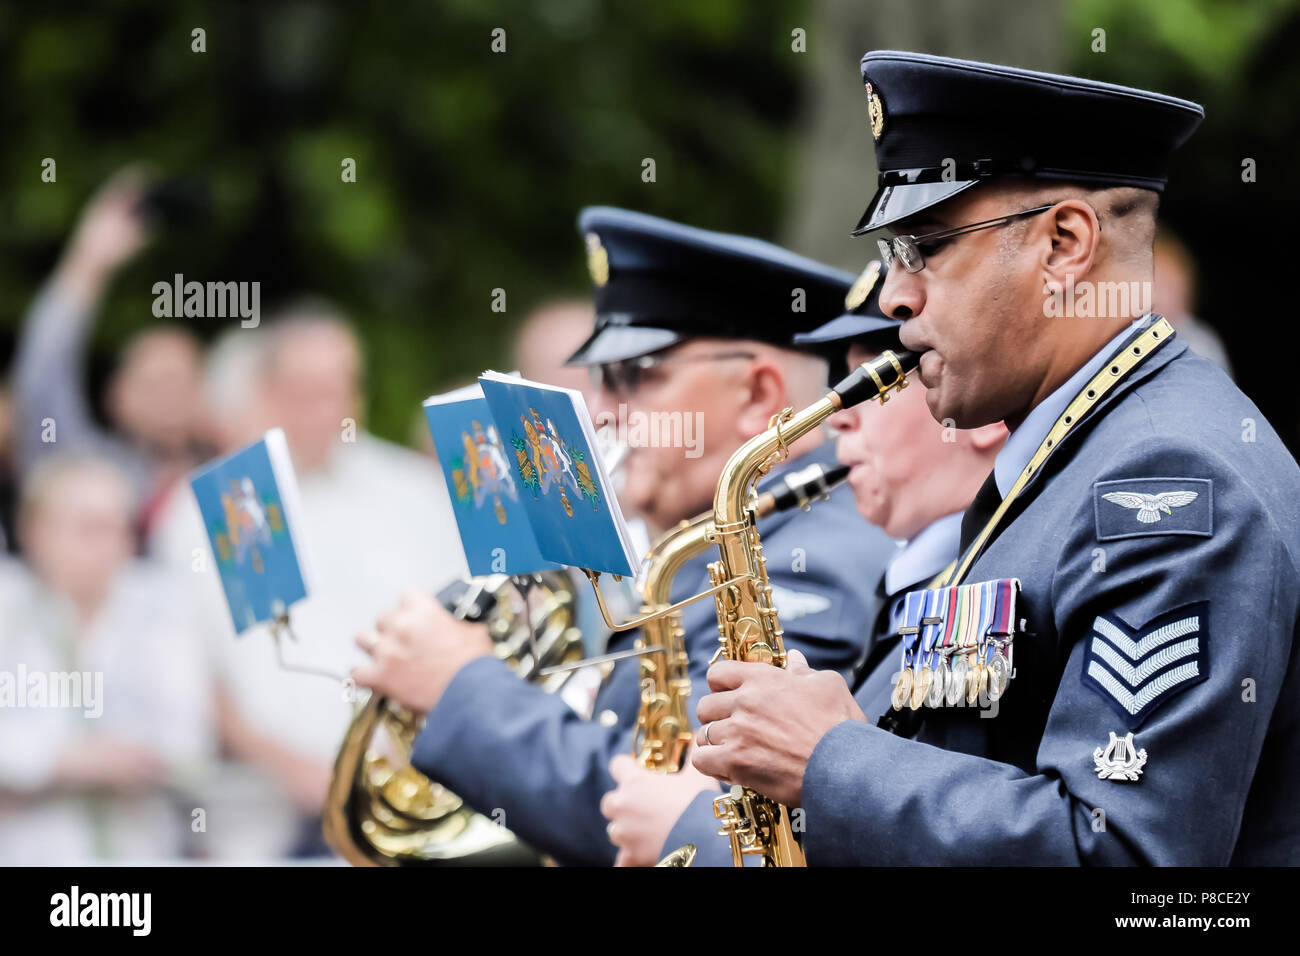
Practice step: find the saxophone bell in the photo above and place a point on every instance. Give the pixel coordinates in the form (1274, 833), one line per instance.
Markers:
(682, 856)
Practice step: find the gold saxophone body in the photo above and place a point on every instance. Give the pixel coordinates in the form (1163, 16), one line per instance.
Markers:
(748, 626)
(663, 723)
(663, 726)
(381, 811)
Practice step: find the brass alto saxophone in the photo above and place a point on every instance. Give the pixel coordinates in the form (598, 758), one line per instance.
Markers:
(748, 627)
(663, 724)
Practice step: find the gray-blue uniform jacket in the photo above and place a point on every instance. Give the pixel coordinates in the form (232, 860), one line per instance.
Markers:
(1171, 617)
(501, 743)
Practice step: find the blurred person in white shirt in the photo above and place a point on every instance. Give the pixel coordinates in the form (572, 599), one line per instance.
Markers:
(377, 520)
(105, 704)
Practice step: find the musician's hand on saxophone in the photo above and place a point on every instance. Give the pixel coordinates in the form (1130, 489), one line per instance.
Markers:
(416, 649)
(645, 805)
(760, 724)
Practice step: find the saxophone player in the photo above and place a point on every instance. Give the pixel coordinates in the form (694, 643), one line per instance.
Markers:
(913, 479)
(693, 327)
(1142, 508)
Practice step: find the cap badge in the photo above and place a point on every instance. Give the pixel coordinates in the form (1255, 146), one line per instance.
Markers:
(876, 111)
(597, 260)
(862, 287)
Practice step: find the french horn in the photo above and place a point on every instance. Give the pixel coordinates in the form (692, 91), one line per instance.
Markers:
(380, 810)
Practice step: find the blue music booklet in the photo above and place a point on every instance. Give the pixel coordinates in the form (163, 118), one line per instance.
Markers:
(564, 487)
(253, 517)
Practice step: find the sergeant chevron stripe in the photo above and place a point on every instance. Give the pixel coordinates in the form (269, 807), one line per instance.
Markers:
(1135, 702)
(1137, 649)
(1137, 669)
(1136, 675)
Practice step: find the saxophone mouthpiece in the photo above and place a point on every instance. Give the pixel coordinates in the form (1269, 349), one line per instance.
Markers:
(877, 378)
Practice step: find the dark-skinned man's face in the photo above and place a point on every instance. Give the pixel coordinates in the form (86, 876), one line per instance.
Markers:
(975, 311)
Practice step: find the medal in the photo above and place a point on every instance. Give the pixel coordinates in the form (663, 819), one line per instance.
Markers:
(902, 689)
(905, 689)
(921, 687)
(956, 682)
(975, 680)
(930, 681)
(999, 676)
(956, 644)
(939, 687)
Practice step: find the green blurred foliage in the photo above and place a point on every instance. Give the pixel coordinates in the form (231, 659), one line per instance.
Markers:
(1213, 41)
(1237, 60)
(471, 165)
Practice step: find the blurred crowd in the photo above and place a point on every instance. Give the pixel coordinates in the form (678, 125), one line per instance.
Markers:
(136, 725)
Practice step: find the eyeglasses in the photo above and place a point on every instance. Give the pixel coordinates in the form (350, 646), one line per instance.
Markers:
(910, 251)
(625, 377)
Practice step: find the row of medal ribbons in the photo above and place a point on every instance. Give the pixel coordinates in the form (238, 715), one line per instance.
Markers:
(956, 645)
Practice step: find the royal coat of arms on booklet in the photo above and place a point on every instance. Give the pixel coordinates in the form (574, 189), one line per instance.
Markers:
(545, 462)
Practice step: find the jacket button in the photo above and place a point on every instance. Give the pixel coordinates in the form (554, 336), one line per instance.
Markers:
(608, 718)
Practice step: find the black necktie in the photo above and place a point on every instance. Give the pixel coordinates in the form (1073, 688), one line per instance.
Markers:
(980, 511)
(880, 627)
(879, 634)
(884, 643)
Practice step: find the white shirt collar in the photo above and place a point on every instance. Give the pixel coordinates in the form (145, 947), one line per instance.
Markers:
(926, 554)
(1024, 441)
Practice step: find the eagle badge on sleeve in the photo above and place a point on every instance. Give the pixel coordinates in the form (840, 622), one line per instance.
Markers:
(1143, 507)
(1149, 506)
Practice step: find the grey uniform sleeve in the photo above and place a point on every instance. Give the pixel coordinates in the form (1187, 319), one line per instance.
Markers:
(503, 744)
(1222, 609)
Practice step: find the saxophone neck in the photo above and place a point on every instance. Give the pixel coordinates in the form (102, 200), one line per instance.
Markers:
(875, 379)
(669, 554)
(757, 456)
